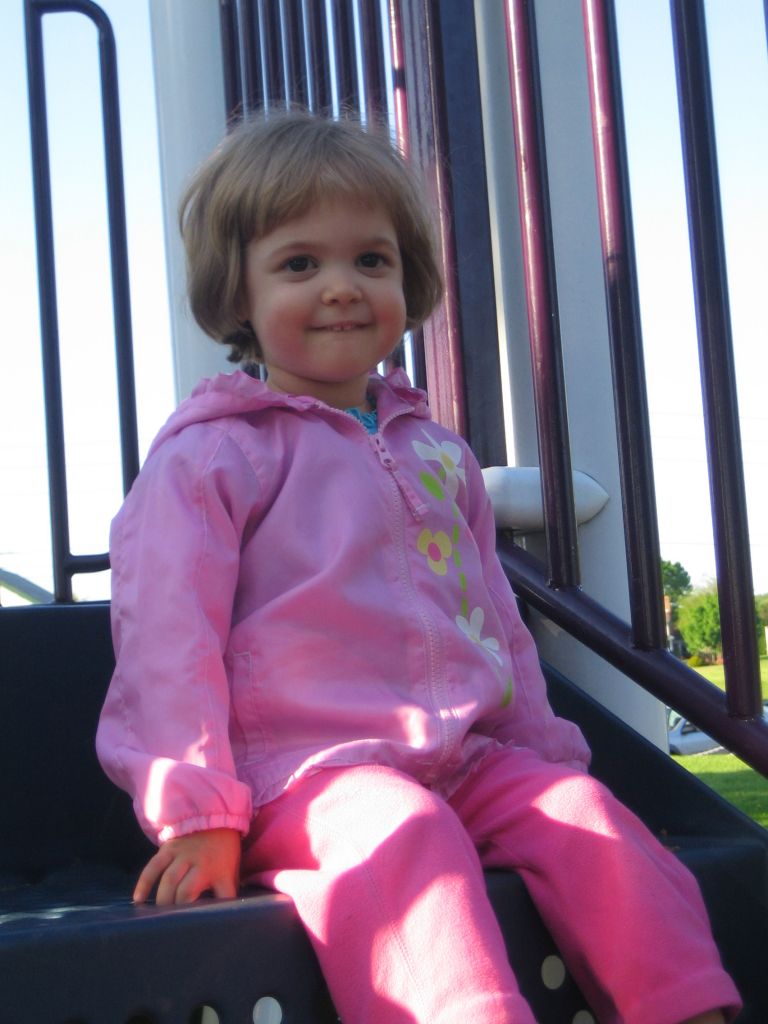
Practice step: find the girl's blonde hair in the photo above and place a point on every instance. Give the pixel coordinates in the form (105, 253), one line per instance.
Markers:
(270, 170)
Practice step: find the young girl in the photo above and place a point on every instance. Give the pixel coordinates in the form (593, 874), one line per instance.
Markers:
(323, 684)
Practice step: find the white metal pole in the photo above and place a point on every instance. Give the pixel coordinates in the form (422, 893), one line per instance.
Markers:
(189, 84)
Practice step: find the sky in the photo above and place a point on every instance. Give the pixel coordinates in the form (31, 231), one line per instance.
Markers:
(739, 65)
(737, 41)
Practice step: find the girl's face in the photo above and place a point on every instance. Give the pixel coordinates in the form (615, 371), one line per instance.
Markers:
(324, 295)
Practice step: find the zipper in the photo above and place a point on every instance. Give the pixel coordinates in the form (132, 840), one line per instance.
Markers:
(416, 506)
(434, 649)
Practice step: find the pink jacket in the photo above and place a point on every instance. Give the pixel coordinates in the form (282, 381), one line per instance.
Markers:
(290, 592)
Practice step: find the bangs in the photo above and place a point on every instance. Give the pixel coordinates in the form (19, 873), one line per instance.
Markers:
(312, 171)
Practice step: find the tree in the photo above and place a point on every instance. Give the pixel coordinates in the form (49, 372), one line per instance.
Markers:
(676, 581)
(676, 584)
(761, 609)
(761, 612)
(699, 622)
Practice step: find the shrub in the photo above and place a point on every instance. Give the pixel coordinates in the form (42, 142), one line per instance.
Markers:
(699, 622)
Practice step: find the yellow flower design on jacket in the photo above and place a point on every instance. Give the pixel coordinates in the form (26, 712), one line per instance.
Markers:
(437, 548)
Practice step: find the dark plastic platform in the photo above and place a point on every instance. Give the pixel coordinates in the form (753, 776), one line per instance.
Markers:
(74, 950)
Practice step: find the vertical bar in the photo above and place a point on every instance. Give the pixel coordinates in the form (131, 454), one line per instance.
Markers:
(455, 56)
(317, 57)
(49, 323)
(230, 57)
(253, 71)
(634, 439)
(400, 112)
(290, 48)
(118, 249)
(344, 55)
(541, 290)
(64, 562)
(270, 48)
(372, 45)
(399, 116)
(732, 555)
(420, 128)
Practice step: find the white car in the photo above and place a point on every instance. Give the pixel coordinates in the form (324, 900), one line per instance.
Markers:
(687, 738)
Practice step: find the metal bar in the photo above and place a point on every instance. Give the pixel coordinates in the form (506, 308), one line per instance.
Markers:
(253, 69)
(49, 321)
(422, 137)
(118, 245)
(400, 112)
(458, 81)
(118, 249)
(721, 416)
(399, 116)
(631, 404)
(296, 89)
(86, 563)
(230, 58)
(658, 671)
(541, 292)
(372, 37)
(318, 70)
(344, 55)
(269, 43)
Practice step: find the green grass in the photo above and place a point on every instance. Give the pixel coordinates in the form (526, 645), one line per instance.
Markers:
(716, 674)
(725, 773)
(733, 780)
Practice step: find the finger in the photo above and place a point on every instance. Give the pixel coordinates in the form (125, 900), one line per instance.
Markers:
(149, 876)
(172, 877)
(193, 885)
(225, 889)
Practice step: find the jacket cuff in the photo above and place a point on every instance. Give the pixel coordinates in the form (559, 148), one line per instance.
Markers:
(204, 823)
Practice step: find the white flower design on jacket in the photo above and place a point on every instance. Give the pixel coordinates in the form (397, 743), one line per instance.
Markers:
(473, 628)
(448, 455)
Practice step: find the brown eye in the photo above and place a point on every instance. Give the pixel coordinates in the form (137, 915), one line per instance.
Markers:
(299, 264)
(371, 260)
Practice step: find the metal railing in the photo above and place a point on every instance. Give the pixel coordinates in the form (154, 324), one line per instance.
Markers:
(65, 563)
(638, 648)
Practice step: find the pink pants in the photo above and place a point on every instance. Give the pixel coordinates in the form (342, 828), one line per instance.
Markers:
(387, 878)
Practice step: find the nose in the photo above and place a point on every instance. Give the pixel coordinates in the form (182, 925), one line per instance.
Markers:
(340, 286)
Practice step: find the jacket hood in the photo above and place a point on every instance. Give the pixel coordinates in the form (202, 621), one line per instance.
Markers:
(232, 394)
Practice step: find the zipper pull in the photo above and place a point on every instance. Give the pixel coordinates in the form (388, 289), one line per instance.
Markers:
(417, 507)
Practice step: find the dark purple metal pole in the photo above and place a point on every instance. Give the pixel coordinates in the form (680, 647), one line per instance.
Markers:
(230, 58)
(296, 86)
(372, 38)
(49, 320)
(663, 675)
(543, 319)
(630, 399)
(344, 54)
(721, 416)
(316, 32)
(269, 51)
(118, 246)
(64, 562)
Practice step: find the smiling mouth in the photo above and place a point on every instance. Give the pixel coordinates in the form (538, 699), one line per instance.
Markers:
(347, 325)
